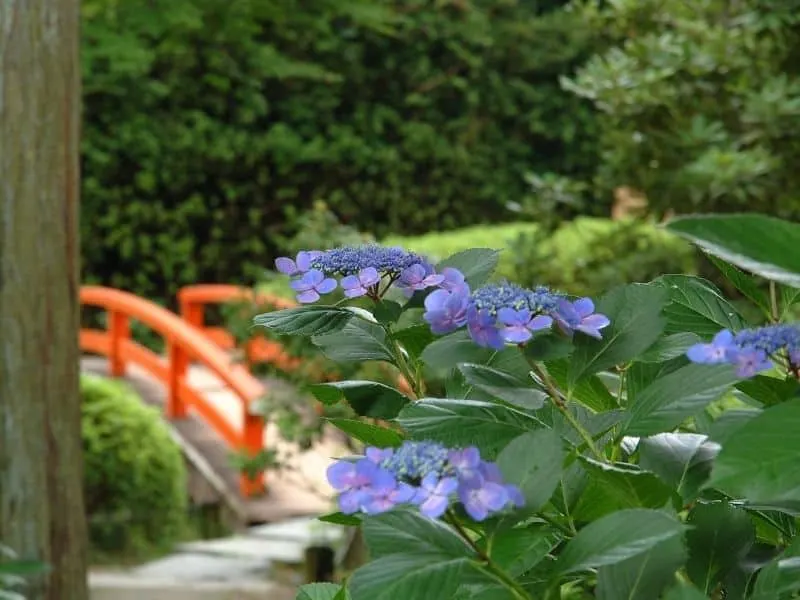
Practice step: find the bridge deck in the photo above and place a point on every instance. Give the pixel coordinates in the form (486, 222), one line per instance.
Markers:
(298, 491)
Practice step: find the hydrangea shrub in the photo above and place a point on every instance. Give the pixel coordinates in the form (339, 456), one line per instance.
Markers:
(639, 445)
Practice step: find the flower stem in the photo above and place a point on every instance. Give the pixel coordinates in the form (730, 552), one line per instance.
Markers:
(488, 566)
(561, 405)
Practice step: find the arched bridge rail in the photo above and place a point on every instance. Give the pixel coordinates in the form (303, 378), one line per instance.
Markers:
(185, 343)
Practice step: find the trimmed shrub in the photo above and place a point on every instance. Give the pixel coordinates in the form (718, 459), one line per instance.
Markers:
(211, 125)
(135, 480)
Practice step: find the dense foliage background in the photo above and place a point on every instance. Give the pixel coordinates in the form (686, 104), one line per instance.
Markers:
(209, 124)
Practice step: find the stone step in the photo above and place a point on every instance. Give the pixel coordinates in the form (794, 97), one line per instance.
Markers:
(122, 586)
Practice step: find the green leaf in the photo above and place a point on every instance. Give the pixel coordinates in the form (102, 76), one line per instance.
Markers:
(719, 536)
(387, 311)
(368, 398)
(413, 557)
(696, 306)
(534, 461)
(636, 323)
(748, 285)
(358, 341)
(477, 264)
(666, 402)
(769, 391)
(519, 550)
(618, 486)
(339, 518)
(318, 591)
(642, 577)
(305, 320)
(448, 351)
(406, 531)
(669, 347)
(487, 425)
(758, 461)
(759, 244)
(503, 386)
(682, 460)
(415, 339)
(372, 435)
(617, 537)
(779, 576)
(685, 591)
(589, 391)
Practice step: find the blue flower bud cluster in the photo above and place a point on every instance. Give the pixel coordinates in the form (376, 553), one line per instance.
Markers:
(423, 474)
(751, 350)
(500, 314)
(361, 269)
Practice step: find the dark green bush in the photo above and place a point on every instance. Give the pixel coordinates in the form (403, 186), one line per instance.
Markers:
(210, 124)
(135, 479)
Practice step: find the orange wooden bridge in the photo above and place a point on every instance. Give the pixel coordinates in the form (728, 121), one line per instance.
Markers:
(213, 428)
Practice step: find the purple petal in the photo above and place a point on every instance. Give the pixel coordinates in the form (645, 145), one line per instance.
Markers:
(369, 276)
(378, 504)
(702, 353)
(437, 300)
(453, 278)
(412, 275)
(432, 280)
(404, 493)
(304, 259)
(434, 507)
(515, 496)
(299, 285)
(583, 306)
(468, 458)
(596, 321)
(723, 338)
(341, 475)
(446, 486)
(540, 322)
(286, 265)
(516, 334)
(314, 277)
(491, 472)
(350, 502)
(307, 297)
(509, 316)
(590, 331)
(327, 286)
(350, 282)
(493, 495)
(378, 455)
(355, 292)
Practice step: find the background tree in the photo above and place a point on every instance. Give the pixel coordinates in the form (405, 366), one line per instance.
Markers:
(699, 101)
(41, 505)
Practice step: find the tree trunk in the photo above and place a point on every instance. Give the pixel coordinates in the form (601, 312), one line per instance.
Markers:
(41, 473)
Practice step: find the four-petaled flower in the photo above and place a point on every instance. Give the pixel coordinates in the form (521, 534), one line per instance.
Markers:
(433, 496)
(418, 277)
(519, 325)
(482, 327)
(481, 497)
(718, 351)
(750, 361)
(580, 316)
(359, 285)
(384, 493)
(311, 285)
(446, 311)
(300, 264)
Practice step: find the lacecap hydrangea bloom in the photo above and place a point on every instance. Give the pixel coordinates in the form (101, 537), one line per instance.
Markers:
(750, 350)
(500, 314)
(367, 270)
(423, 474)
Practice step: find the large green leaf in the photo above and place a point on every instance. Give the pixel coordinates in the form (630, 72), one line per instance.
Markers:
(682, 460)
(319, 591)
(534, 462)
(370, 434)
(358, 341)
(450, 350)
(748, 285)
(666, 402)
(590, 391)
(636, 323)
(406, 531)
(413, 557)
(503, 386)
(769, 390)
(779, 576)
(477, 264)
(617, 537)
(368, 398)
(696, 306)
(719, 536)
(642, 577)
(758, 461)
(487, 425)
(415, 339)
(760, 244)
(305, 320)
(669, 347)
(618, 486)
(519, 550)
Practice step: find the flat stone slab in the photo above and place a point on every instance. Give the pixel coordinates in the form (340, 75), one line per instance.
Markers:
(241, 547)
(200, 567)
(306, 531)
(122, 586)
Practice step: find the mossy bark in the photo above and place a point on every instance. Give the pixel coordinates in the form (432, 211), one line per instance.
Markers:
(41, 503)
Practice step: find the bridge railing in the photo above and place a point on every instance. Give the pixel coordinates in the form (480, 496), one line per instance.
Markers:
(185, 343)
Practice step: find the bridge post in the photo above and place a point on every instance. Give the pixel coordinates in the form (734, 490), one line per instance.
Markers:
(178, 366)
(119, 330)
(252, 445)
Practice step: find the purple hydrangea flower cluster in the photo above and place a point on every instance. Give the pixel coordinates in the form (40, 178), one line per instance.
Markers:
(361, 270)
(497, 314)
(422, 474)
(750, 350)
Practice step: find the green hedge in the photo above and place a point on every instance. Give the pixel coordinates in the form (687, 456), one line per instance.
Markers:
(210, 124)
(135, 479)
